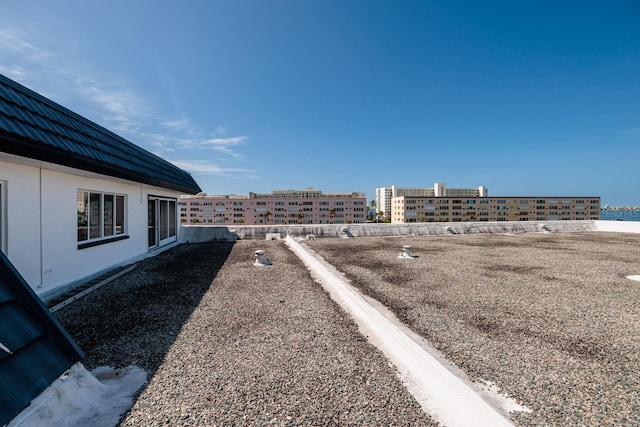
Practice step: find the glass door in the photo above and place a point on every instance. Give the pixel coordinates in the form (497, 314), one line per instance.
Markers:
(162, 217)
(151, 214)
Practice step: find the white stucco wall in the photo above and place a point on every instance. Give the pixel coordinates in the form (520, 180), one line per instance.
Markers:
(22, 225)
(41, 216)
(618, 226)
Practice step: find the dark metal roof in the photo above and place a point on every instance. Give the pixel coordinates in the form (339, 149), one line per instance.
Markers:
(35, 127)
(35, 349)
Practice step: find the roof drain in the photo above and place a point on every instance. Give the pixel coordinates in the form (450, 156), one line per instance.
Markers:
(406, 252)
(260, 259)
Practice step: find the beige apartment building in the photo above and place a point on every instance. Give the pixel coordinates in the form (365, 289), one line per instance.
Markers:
(278, 207)
(384, 195)
(406, 209)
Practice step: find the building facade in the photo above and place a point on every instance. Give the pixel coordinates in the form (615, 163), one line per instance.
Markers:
(279, 207)
(384, 195)
(460, 209)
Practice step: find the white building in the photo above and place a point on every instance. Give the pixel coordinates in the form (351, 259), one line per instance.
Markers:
(75, 199)
(439, 189)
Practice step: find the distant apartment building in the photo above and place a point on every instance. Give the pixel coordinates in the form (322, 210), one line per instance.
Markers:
(384, 195)
(460, 209)
(278, 207)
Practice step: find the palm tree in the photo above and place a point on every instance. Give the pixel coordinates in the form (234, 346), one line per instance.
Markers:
(300, 216)
(267, 215)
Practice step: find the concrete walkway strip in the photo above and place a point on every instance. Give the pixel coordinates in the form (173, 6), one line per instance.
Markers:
(448, 398)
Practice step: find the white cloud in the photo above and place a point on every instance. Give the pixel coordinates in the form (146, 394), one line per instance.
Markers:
(210, 168)
(121, 108)
(178, 124)
(225, 145)
(46, 59)
(634, 131)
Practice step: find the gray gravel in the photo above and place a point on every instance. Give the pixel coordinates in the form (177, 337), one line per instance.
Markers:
(227, 343)
(550, 318)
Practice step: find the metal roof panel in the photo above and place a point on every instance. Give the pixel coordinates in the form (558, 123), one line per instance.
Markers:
(53, 133)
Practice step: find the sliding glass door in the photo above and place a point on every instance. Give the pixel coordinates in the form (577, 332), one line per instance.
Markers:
(162, 217)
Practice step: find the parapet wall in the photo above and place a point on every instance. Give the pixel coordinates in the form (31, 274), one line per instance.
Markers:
(618, 226)
(203, 233)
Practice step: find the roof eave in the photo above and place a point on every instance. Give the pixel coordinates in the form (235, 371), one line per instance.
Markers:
(34, 150)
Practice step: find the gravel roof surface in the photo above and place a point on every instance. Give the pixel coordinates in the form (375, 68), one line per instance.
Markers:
(227, 343)
(550, 318)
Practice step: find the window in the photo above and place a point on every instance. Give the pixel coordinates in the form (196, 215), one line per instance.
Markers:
(100, 215)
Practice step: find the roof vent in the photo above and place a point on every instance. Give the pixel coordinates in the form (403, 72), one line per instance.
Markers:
(260, 259)
(406, 252)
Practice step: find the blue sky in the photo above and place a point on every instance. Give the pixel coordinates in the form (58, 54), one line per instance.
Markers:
(537, 98)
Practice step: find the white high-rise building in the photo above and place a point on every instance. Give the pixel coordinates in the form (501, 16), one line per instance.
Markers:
(439, 189)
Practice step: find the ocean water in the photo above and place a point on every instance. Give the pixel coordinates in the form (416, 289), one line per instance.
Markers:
(620, 215)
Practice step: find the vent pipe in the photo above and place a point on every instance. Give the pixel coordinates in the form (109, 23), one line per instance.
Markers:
(260, 259)
(406, 252)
